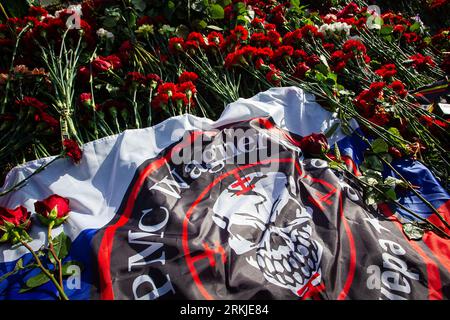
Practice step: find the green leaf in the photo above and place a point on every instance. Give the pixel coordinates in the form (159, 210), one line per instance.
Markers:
(380, 146)
(390, 194)
(34, 282)
(386, 30)
(413, 231)
(216, 12)
(62, 245)
(215, 28)
(414, 27)
(139, 4)
(373, 162)
(332, 130)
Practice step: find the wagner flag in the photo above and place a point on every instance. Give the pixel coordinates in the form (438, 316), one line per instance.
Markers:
(197, 209)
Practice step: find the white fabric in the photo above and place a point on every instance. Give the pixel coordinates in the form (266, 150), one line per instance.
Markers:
(96, 186)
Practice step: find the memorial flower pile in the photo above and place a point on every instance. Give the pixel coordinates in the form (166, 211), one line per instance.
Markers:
(79, 72)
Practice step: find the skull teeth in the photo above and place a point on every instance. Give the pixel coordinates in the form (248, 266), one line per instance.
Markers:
(302, 250)
(314, 254)
(289, 279)
(278, 266)
(293, 263)
(305, 270)
(281, 279)
(298, 277)
(303, 241)
(260, 261)
(269, 265)
(310, 263)
(286, 265)
(299, 257)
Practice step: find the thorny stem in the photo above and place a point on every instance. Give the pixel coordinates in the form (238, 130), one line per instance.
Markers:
(62, 294)
(55, 256)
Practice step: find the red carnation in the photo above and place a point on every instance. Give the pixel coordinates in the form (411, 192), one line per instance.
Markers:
(85, 74)
(215, 39)
(176, 45)
(188, 88)
(168, 88)
(187, 76)
(31, 102)
(161, 100)
(282, 52)
(421, 62)
(387, 71)
(153, 79)
(72, 150)
(274, 76)
(86, 99)
(354, 46)
(53, 209)
(399, 88)
(101, 65)
(37, 11)
(114, 60)
(134, 79)
(180, 99)
(196, 37)
(300, 70)
(239, 33)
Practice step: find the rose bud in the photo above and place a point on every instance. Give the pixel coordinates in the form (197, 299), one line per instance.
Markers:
(13, 224)
(52, 209)
(314, 144)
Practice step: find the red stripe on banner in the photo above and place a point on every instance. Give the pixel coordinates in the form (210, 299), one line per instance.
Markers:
(104, 253)
(352, 263)
(439, 246)
(434, 278)
(105, 248)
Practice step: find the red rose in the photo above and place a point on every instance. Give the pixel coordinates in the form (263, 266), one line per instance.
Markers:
(72, 150)
(13, 222)
(52, 209)
(314, 144)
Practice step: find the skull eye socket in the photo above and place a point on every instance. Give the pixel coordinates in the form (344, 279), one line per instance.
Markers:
(246, 232)
(287, 214)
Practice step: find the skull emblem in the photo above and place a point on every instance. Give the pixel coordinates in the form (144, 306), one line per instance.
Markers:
(268, 224)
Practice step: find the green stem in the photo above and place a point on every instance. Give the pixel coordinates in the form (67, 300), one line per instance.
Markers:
(55, 256)
(22, 183)
(45, 271)
(416, 192)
